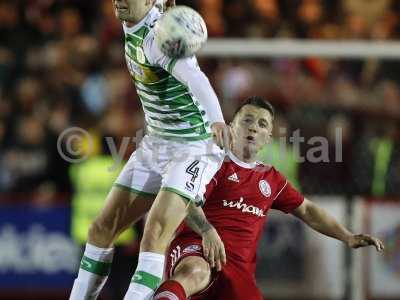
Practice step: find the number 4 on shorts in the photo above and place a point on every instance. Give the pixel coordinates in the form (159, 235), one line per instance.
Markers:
(193, 170)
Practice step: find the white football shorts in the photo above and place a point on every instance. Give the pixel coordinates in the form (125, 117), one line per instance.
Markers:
(182, 167)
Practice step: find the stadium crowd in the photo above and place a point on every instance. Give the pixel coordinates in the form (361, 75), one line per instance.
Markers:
(315, 19)
(62, 65)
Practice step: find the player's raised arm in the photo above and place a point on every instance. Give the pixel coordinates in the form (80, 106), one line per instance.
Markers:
(187, 71)
(213, 246)
(318, 219)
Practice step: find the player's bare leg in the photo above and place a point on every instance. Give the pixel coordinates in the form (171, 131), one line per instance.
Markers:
(121, 210)
(166, 214)
(191, 275)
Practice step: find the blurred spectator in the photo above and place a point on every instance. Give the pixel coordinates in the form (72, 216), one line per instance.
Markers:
(327, 151)
(355, 27)
(393, 175)
(29, 97)
(369, 11)
(211, 10)
(309, 18)
(376, 161)
(267, 18)
(26, 163)
(12, 43)
(389, 93)
(69, 23)
(109, 28)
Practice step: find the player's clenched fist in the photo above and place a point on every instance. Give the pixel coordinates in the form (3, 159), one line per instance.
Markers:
(222, 134)
(214, 249)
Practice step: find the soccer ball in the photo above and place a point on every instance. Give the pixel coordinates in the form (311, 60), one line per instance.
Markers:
(180, 32)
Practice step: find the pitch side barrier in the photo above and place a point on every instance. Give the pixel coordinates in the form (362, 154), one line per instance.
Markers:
(295, 48)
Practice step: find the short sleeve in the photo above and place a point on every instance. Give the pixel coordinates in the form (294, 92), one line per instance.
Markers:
(288, 198)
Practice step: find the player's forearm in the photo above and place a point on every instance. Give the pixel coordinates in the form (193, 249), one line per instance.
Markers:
(318, 219)
(200, 87)
(197, 220)
(204, 93)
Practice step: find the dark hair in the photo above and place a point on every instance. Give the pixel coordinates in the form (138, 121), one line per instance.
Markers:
(259, 102)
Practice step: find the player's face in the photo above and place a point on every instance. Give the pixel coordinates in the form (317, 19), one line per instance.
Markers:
(252, 127)
(127, 10)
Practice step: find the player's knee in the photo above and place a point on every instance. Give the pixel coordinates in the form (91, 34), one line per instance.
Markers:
(196, 272)
(200, 275)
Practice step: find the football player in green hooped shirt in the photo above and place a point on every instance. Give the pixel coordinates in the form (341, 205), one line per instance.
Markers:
(177, 158)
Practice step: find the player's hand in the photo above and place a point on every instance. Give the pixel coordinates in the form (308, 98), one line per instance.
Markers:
(214, 249)
(169, 3)
(233, 137)
(222, 135)
(364, 240)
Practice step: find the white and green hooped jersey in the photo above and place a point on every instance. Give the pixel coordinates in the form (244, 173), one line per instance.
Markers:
(171, 111)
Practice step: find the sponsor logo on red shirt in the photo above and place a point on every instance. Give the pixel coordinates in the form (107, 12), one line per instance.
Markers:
(245, 208)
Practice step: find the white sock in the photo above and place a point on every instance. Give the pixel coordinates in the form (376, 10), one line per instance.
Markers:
(147, 277)
(93, 272)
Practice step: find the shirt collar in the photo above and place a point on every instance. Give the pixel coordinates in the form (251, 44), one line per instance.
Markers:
(241, 163)
(143, 21)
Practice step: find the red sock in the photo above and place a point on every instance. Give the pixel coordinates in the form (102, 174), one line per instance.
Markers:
(170, 290)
